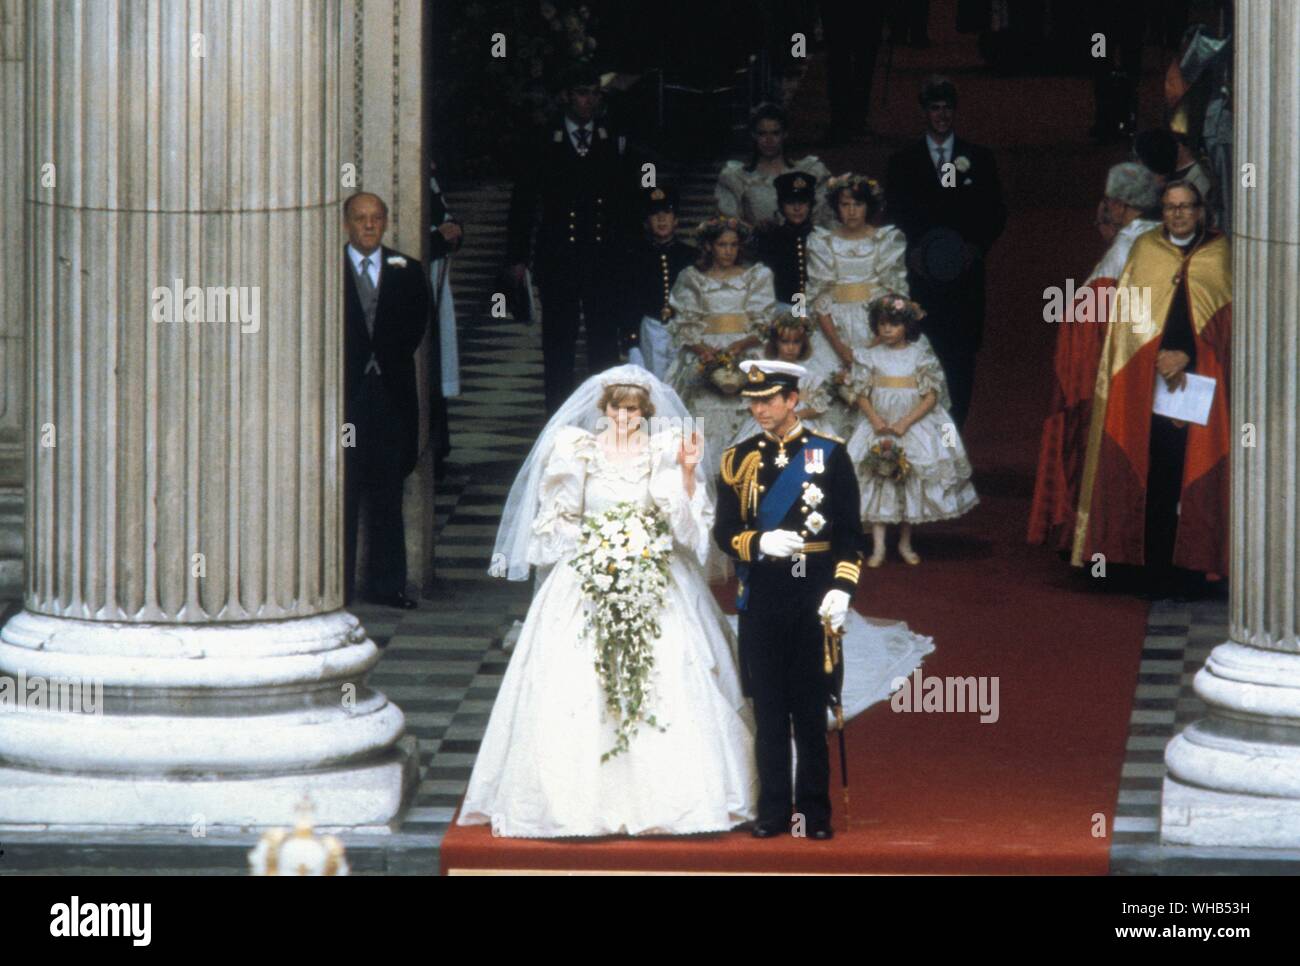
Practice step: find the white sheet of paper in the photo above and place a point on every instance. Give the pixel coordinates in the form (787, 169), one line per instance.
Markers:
(1191, 404)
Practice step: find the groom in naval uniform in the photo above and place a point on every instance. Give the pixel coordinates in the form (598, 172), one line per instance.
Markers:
(788, 514)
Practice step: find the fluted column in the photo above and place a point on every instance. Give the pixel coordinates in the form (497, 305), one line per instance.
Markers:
(1234, 776)
(184, 468)
(13, 234)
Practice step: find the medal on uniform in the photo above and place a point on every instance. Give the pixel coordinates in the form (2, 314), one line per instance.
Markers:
(813, 461)
(782, 460)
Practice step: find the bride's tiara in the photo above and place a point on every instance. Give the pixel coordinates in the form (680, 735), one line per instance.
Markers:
(626, 382)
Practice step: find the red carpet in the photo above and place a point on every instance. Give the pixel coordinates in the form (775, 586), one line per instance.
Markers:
(943, 793)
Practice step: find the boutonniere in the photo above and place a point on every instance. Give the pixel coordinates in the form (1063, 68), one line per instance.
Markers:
(962, 163)
(397, 260)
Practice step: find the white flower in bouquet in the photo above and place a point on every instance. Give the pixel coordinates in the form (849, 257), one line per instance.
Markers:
(622, 558)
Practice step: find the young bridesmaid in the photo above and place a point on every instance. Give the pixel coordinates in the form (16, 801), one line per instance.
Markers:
(911, 464)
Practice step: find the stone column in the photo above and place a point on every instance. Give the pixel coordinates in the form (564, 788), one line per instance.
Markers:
(13, 254)
(382, 112)
(185, 342)
(1234, 776)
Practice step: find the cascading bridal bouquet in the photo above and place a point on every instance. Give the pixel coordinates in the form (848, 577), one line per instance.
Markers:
(622, 559)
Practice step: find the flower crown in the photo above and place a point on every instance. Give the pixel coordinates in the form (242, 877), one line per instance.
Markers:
(896, 306)
(719, 223)
(854, 182)
(790, 321)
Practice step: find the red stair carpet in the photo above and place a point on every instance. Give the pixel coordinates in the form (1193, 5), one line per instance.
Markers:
(943, 792)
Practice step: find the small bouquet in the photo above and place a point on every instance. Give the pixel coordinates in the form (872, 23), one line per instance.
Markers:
(722, 374)
(622, 558)
(888, 461)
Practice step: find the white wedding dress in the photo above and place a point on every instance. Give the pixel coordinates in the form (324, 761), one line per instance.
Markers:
(539, 772)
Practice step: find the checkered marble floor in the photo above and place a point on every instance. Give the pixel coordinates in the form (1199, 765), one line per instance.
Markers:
(1179, 638)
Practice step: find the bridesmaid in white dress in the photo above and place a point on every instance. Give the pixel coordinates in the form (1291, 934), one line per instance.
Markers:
(719, 305)
(746, 190)
(849, 265)
(904, 398)
(539, 772)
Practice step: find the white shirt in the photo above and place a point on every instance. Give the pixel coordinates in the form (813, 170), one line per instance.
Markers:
(375, 258)
(573, 127)
(947, 146)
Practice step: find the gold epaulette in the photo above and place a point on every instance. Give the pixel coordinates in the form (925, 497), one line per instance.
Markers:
(837, 439)
(743, 480)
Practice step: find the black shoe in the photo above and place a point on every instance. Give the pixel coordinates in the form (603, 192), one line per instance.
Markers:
(821, 833)
(766, 830)
(400, 601)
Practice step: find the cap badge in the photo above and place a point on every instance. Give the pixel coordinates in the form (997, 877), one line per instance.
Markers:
(756, 374)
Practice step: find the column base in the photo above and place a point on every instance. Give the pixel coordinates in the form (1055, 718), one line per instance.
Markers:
(121, 724)
(1200, 816)
(1234, 776)
(366, 797)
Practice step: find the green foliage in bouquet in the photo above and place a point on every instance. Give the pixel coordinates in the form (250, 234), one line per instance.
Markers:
(622, 558)
(887, 460)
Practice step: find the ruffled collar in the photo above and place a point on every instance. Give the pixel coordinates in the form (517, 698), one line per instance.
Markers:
(631, 470)
(739, 281)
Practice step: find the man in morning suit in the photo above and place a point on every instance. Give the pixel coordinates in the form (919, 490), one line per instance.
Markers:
(944, 193)
(580, 176)
(788, 515)
(386, 311)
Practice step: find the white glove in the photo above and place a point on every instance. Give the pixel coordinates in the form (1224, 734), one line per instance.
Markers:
(835, 608)
(780, 543)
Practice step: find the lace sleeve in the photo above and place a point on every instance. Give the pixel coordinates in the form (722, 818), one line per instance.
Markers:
(862, 375)
(821, 272)
(891, 260)
(760, 300)
(815, 395)
(729, 189)
(687, 302)
(689, 518)
(556, 527)
(929, 373)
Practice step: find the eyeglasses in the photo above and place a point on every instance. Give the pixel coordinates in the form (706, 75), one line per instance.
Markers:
(1179, 209)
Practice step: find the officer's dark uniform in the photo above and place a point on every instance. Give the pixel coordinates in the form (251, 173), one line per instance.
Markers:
(784, 247)
(650, 269)
(781, 637)
(585, 199)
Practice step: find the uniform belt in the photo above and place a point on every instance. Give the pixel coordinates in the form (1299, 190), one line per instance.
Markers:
(896, 382)
(853, 291)
(725, 323)
(817, 546)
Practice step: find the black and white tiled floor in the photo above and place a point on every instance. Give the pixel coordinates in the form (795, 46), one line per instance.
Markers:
(1179, 637)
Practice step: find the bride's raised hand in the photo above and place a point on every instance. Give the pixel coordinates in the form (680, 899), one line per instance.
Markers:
(688, 453)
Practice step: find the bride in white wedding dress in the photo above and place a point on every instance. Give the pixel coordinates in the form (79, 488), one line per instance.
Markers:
(539, 771)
